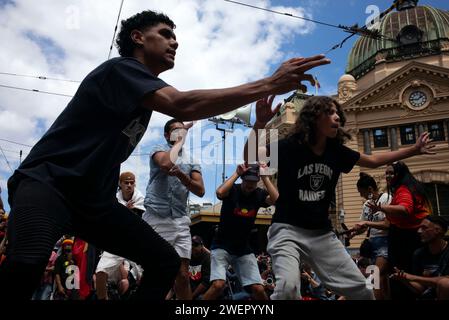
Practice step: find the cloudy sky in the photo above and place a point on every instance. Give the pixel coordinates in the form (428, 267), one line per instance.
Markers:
(221, 44)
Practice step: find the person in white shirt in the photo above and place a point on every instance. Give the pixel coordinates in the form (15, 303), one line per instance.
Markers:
(375, 225)
(112, 267)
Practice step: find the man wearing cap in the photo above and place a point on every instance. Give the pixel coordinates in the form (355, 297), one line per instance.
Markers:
(111, 267)
(230, 246)
(173, 174)
(430, 278)
(199, 269)
(128, 195)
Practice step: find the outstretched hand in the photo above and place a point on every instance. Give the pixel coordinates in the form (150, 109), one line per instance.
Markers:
(292, 72)
(264, 113)
(423, 145)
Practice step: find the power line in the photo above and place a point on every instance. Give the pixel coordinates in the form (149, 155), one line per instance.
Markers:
(284, 13)
(6, 159)
(383, 14)
(364, 32)
(14, 151)
(18, 143)
(115, 29)
(35, 90)
(38, 77)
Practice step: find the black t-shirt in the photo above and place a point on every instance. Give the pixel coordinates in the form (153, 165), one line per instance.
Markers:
(80, 155)
(199, 270)
(425, 263)
(306, 182)
(238, 214)
(61, 268)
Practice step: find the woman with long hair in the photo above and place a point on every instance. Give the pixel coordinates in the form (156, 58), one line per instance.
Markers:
(407, 210)
(310, 162)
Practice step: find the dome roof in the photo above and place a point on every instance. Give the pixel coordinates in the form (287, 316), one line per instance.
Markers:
(409, 33)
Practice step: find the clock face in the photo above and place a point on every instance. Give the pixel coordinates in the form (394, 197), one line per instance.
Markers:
(417, 99)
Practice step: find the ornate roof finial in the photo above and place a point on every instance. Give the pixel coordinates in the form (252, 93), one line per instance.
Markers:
(405, 4)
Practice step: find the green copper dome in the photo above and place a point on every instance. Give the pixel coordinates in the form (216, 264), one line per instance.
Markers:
(412, 32)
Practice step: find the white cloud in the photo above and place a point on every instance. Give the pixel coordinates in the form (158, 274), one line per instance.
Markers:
(221, 44)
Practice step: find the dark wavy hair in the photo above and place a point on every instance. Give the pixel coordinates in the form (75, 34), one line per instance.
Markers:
(365, 181)
(403, 177)
(169, 123)
(305, 126)
(140, 21)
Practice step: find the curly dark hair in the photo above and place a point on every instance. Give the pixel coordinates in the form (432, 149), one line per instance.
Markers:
(305, 126)
(140, 21)
(365, 181)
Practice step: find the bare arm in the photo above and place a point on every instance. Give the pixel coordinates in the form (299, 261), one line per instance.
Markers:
(361, 227)
(394, 211)
(264, 114)
(309, 278)
(223, 190)
(422, 146)
(424, 281)
(200, 104)
(380, 225)
(193, 182)
(59, 284)
(166, 159)
(273, 193)
(416, 283)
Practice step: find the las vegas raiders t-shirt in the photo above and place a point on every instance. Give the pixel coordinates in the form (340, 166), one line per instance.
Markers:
(306, 182)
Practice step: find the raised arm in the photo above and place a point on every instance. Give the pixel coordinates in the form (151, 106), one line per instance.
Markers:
(264, 114)
(167, 159)
(273, 193)
(422, 146)
(200, 104)
(223, 190)
(193, 181)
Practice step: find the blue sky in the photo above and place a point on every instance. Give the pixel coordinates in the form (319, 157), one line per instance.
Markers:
(221, 44)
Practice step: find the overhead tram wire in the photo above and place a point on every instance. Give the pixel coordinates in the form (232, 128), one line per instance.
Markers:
(115, 29)
(383, 14)
(364, 32)
(284, 13)
(17, 143)
(6, 159)
(38, 77)
(36, 91)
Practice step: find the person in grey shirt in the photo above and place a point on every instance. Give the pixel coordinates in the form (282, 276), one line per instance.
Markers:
(172, 176)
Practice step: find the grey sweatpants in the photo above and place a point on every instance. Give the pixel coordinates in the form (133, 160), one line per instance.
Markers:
(327, 256)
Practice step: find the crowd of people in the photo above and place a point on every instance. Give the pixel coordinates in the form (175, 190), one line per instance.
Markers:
(74, 234)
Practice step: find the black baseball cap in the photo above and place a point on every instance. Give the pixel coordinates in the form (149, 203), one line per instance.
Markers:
(252, 174)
